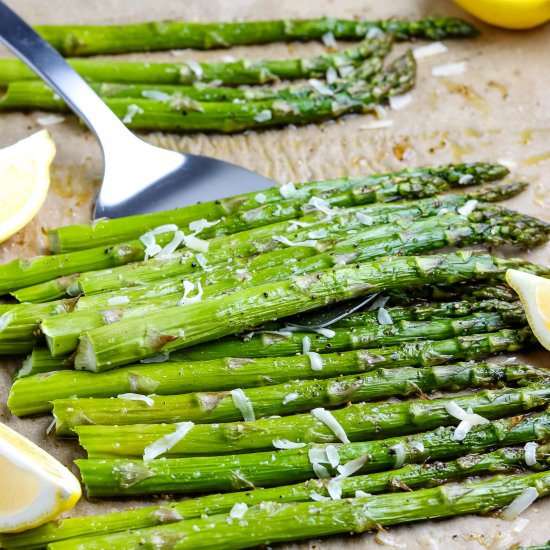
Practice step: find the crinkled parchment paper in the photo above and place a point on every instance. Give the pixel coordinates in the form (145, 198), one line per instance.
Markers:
(499, 108)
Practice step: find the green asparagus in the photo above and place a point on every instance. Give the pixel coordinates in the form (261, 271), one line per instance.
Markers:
(118, 477)
(106, 232)
(285, 399)
(231, 73)
(411, 476)
(40, 360)
(34, 394)
(165, 35)
(272, 522)
(179, 327)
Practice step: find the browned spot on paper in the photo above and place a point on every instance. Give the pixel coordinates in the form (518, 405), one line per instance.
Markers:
(471, 97)
(499, 87)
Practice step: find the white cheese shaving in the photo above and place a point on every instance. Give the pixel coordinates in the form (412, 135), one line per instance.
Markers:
(166, 228)
(156, 95)
(286, 444)
(400, 455)
(198, 225)
(361, 494)
(531, 453)
(151, 246)
(381, 301)
(462, 430)
(465, 179)
(317, 455)
(345, 70)
(418, 445)
(319, 87)
(334, 488)
(377, 124)
(238, 511)
(168, 251)
(188, 287)
(50, 120)
(398, 102)
(384, 318)
(349, 468)
(287, 190)
(263, 116)
(321, 205)
(450, 69)
(331, 75)
(318, 234)
(306, 344)
(326, 332)
(315, 360)
(435, 48)
(196, 69)
(292, 396)
(51, 426)
(194, 243)
(373, 32)
(282, 239)
(118, 300)
(385, 539)
(328, 40)
(331, 423)
(201, 260)
(520, 504)
(333, 455)
(242, 402)
(156, 358)
(459, 413)
(467, 208)
(136, 397)
(365, 219)
(260, 198)
(313, 495)
(132, 111)
(166, 442)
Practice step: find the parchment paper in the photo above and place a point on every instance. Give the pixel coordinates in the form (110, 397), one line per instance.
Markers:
(498, 109)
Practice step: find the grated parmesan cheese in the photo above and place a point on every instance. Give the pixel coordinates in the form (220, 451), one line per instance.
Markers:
(398, 102)
(317, 497)
(384, 318)
(156, 358)
(349, 468)
(328, 40)
(156, 95)
(292, 396)
(531, 453)
(284, 240)
(50, 120)
(520, 504)
(194, 243)
(450, 69)
(321, 205)
(468, 208)
(198, 225)
(287, 190)
(260, 197)
(331, 423)
(188, 286)
(400, 455)
(315, 360)
(377, 124)
(263, 116)
(332, 455)
(238, 511)
(243, 404)
(435, 48)
(306, 344)
(365, 219)
(166, 442)
(286, 444)
(317, 455)
(136, 397)
(334, 488)
(132, 111)
(118, 300)
(319, 87)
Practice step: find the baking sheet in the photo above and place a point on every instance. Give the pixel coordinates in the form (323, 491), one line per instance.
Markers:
(498, 109)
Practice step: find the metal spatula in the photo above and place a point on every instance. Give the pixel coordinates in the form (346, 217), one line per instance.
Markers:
(138, 177)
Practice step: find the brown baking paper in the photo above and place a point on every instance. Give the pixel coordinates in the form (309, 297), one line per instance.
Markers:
(498, 109)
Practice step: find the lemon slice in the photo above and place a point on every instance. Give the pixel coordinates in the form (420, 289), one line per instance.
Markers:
(34, 487)
(24, 181)
(534, 293)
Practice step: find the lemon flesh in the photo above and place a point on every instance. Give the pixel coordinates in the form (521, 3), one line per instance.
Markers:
(34, 487)
(534, 293)
(24, 181)
(510, 14)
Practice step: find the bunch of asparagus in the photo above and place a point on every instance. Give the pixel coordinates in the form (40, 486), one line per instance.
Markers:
(192, 96)
(192, 378)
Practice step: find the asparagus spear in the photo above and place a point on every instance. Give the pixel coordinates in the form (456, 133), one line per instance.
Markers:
(104, 232)
(228, 73)
(190, 116)
(21, 273)
(243, 247)
(26, 94)
(358, 422)
(34, 394)
(174, 328)
(165, 35)
(411, 476)
(118, 477)
(45, 292)
(40, 360)
(285, 399)
(272, 522)
(62, 332)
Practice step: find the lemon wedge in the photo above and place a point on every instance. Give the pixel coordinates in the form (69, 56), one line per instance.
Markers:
(24, 181)
(510, 14)
(34, 487)
(534, 293)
